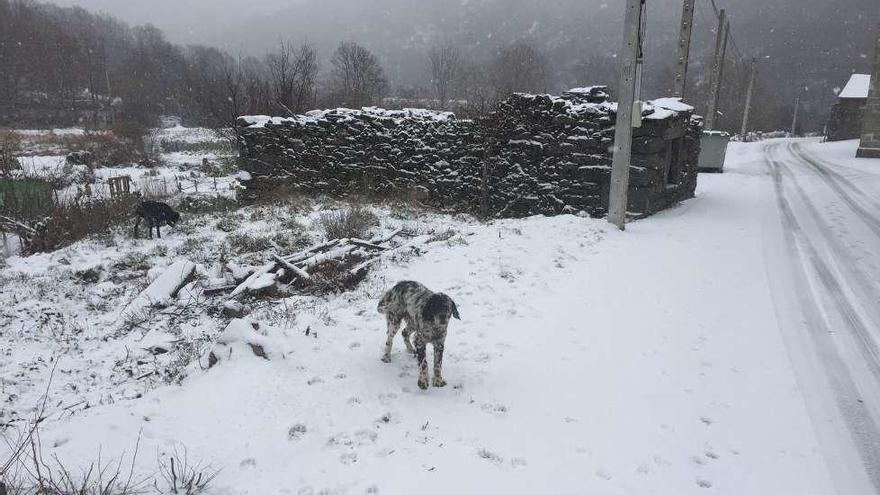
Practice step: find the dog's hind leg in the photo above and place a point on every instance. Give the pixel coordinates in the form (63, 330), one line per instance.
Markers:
(393, 327)
(438, 363)
(423, 361)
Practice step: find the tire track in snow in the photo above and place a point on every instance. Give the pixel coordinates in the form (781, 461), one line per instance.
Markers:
(836, 182)
(849, 267)
(861, 424)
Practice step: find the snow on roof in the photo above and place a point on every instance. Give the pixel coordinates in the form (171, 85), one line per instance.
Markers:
(857, 87)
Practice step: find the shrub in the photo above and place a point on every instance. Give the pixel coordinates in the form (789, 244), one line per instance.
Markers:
(66, 224)
(355, 221)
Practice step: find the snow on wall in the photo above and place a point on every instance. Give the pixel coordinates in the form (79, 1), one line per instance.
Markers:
(536, 154)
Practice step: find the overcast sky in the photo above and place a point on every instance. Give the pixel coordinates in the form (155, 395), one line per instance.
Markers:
(185, 21)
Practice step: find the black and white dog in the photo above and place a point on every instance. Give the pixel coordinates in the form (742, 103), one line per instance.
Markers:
(427, 315)
(155, 214)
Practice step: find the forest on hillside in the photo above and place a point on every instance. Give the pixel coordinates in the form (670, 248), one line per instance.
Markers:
(67, 65)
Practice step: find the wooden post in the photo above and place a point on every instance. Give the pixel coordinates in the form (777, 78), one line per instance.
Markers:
(715, 79)
(748, 107)
(684, 49)
(623, 131)
(794, 119)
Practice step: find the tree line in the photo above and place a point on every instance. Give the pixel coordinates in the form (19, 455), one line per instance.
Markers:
(67, 65)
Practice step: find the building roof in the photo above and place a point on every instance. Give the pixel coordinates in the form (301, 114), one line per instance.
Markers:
(857, 87)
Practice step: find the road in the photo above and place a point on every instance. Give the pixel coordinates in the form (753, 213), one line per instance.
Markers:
(824, 267)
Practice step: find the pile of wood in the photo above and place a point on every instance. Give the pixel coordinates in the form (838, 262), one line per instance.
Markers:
(334, 265)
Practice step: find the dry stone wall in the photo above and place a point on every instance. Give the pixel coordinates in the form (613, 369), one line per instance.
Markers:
(536, 154)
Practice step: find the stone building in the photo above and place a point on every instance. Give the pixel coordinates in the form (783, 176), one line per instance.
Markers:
(535, 154)
(869, 146)
(845, 121)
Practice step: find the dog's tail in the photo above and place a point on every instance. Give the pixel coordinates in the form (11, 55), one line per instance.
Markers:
(383, 303)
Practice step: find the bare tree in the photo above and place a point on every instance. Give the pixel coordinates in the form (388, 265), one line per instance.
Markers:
(357, 78)
(446, 66)
(520, 67)
(292, 74)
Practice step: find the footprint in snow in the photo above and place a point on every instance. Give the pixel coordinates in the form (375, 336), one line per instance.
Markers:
(296, 431)
(711, 455)
(490, 456)
(706, 420)
(603, 474)
(704, 483)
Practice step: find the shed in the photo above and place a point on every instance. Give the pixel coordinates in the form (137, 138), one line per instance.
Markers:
(845, 121)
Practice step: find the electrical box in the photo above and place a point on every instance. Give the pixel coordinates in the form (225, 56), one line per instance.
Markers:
(713, 151)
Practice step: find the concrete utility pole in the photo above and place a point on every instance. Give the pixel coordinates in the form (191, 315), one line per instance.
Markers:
(684, 49)
(797, 104)
(715, 80)
(748, 107)
(630, 60)
(870, 143)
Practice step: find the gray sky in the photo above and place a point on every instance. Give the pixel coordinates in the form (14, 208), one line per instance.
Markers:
(184, 21)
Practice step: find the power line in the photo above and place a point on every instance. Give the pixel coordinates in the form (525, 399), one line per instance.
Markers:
(732, 38)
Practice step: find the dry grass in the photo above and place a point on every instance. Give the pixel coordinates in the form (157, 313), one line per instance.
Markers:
(65, 224)
(352, 222)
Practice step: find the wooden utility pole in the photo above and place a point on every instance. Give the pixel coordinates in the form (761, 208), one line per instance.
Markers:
(715, 80)
(630, 59)
(684, 49)
(797, 104)
(748, 107)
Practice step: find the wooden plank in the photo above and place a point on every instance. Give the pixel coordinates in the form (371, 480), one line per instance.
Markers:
(295, 269)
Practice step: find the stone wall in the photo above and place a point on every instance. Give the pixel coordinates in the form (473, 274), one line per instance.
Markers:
(536, 154)
(845, 120)
(869, 146)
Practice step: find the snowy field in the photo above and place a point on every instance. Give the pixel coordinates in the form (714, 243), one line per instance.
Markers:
(694, 353)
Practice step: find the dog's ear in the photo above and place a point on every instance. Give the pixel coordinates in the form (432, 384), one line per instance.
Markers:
(454, 309)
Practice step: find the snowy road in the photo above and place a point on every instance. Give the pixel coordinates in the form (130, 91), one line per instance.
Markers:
(830, 309)
(729, 345)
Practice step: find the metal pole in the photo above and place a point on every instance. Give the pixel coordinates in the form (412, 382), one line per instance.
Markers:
(684, 49)
(797, 104)
(623, 132)
(748, 108)
(715, 81)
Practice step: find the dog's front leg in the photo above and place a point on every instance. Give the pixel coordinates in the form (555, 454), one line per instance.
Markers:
(393, 326)
(438, 363)
(421, 346)
(136, 223)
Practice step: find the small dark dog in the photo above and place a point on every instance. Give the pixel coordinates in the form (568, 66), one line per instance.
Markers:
(155, 214)
(427, 315)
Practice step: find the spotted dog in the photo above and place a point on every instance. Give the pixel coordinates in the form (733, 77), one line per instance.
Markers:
(427, 316)
(155, 214)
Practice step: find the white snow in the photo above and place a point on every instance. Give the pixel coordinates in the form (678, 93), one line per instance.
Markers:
(857, 86)
(347, 114)
(673, 358)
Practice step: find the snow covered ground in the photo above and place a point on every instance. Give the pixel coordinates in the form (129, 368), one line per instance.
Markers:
(723, 346)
